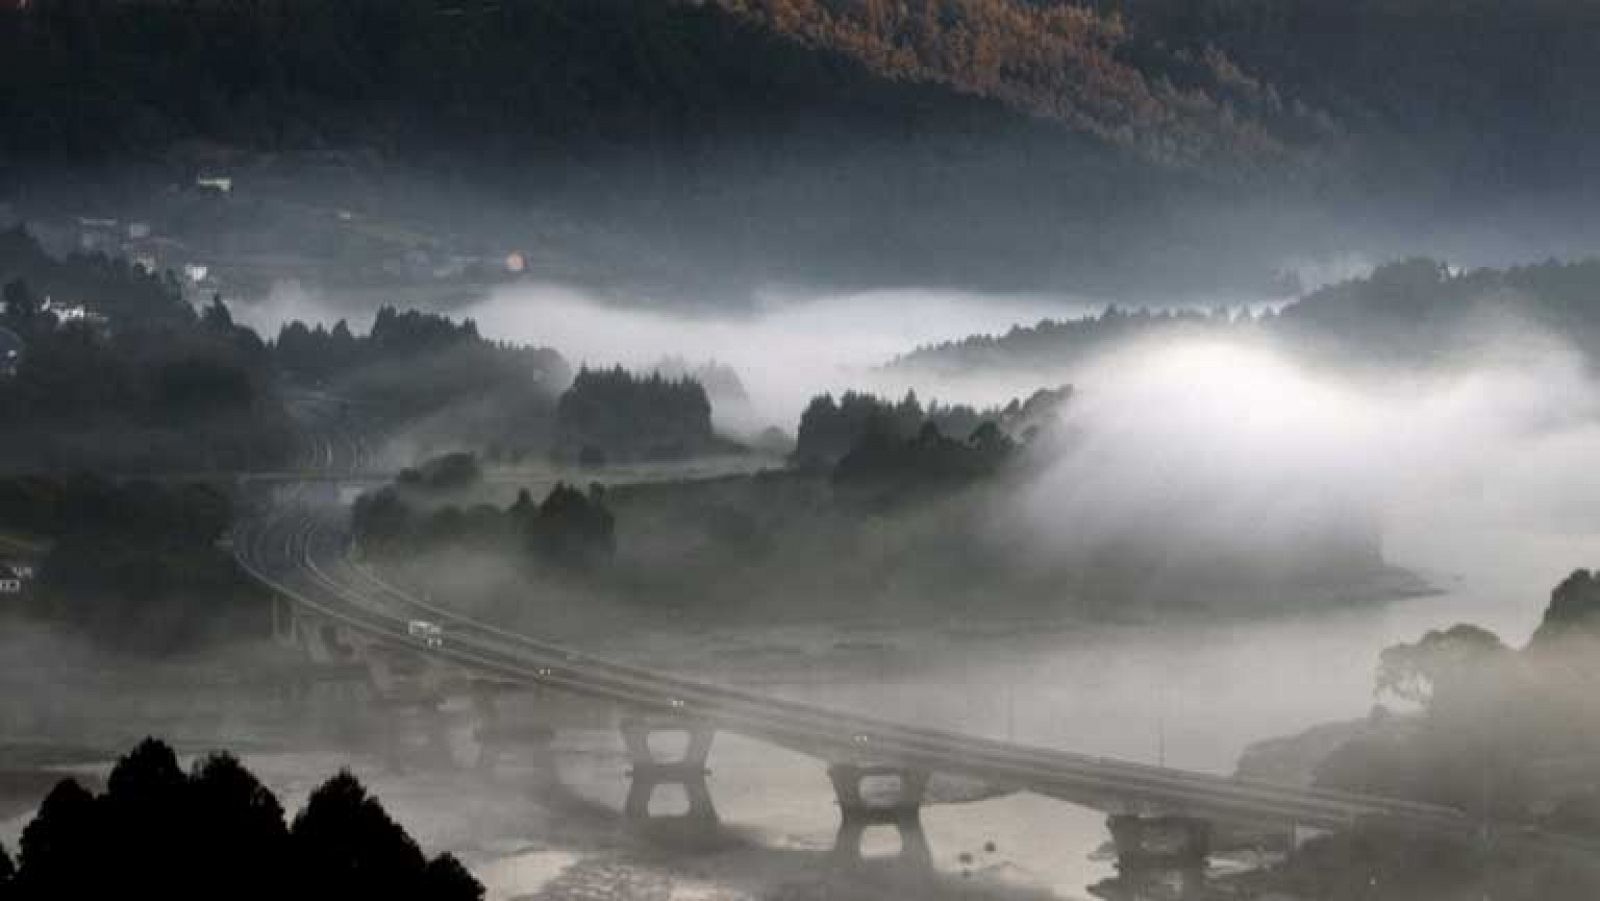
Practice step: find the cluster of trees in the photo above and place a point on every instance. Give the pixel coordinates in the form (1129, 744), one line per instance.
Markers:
(135, 566)
(729, 399)
(612, 414)
(154, 384)
(1409, 311)
(451, 472)
(148, 384)
(883, 469)
(1422, 310)
(569, 530)
(413, 364)
(62, 507)
(158, 831)
(318, 353)
(1054, 343)
(112, 286)
(831, 430)
(1509, 732)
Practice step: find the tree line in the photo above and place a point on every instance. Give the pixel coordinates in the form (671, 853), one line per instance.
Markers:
(158, 831)
(1415, 311)
(614, 415)
(142, 381)
(412, 366)
(830, 429)
(1487, 728)
(135, 566)
(569, 531)
(147, 382)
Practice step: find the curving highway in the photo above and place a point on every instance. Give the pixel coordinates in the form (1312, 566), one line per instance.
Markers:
(303, 553)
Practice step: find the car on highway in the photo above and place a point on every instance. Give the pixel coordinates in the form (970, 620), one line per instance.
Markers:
(430, 634)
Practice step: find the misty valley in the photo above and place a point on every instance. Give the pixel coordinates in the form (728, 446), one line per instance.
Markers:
(719, 450)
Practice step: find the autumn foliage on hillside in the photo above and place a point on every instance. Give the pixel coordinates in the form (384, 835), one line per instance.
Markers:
(1064, 62)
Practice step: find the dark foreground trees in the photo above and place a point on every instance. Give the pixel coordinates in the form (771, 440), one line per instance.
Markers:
(216, 832)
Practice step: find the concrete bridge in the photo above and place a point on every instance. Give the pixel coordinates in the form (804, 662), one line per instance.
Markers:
(342, 613)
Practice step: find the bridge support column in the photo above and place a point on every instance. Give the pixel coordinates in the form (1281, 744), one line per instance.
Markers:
(860, 809)
(416, 732)
(488, 729)
(284, 622)
(648, 771)
(496, 735)
(1160, 843)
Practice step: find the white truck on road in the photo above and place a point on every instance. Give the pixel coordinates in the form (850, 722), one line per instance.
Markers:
(430, 634)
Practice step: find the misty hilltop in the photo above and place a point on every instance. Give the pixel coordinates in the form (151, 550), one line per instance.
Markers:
(1109, 147)
(1416, 312)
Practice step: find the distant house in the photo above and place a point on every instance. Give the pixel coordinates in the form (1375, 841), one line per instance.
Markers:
(10, 582)
(222, 184)
(66, 313)
(11, 348)
(96, 234)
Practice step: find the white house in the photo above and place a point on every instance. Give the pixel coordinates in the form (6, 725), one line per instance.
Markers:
(222, 184)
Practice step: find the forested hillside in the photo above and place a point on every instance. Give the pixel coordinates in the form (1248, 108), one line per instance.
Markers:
(520, 76)
(1068, 62)
(1484, 95)
(1410, 312)
(1115, 146)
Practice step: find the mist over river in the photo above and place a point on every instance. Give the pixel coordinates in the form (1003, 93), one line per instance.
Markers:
(1192, 696)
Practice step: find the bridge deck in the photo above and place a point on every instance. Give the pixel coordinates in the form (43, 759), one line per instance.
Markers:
(303, 555)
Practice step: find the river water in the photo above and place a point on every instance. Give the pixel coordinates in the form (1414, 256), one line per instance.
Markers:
(1191, 695)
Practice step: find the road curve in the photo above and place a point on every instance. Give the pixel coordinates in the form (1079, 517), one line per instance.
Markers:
(303, 554)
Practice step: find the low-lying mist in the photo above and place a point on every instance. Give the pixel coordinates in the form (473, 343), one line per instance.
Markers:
(1237, 449)
(1224, 446)
(1232, 440)
(787, 348)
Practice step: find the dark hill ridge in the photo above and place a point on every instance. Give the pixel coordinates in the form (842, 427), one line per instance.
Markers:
(1415, 312)
(1122, 147)
(705, 136)
(1065, 62)
(521, 76)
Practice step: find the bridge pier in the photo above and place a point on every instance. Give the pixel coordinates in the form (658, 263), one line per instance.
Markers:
(860, 810)
(488, 730)
(284, 622)
(407, 720)
(1160, 843)
(649, 771)
(1155, 885)
(495, 735)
